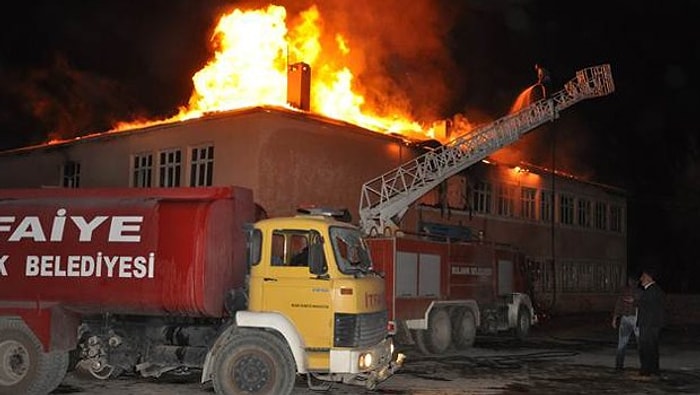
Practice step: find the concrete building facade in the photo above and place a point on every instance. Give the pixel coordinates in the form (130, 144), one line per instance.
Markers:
(572, 231)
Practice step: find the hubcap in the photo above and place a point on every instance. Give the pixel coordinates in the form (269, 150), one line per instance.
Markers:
(14, 362)
(251, 373)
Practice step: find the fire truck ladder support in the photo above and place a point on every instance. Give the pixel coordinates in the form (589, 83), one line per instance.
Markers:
(386, 198)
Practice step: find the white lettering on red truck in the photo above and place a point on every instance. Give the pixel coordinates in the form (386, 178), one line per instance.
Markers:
(121, 228)
(472, 270)
(118, 229)
(89, 266)
(3, 271)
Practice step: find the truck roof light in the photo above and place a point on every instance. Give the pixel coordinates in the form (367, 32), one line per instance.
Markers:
(341, 214)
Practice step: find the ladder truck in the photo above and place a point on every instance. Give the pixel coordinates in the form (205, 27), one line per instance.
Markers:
(426, 279)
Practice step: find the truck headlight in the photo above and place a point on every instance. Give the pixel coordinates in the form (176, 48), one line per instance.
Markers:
(365, 360)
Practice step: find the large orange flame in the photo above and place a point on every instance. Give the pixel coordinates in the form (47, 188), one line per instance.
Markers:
(249, 68)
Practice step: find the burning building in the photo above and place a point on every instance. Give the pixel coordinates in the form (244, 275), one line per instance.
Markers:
(313, 145)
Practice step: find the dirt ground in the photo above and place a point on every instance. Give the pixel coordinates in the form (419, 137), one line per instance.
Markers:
(564, 355)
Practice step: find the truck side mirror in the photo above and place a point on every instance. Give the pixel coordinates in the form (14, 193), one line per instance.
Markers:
(317, 260)
(253, 245)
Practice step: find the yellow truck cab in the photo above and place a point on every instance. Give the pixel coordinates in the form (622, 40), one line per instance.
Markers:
(311, 279)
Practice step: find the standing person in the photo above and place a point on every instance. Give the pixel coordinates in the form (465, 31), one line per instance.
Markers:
(650, 320)
(625, 319)
(543, 80)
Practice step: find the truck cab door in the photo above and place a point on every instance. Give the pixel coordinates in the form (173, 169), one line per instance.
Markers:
(290, 288)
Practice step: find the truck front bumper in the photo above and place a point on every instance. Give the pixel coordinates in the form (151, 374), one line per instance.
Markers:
(367, 366)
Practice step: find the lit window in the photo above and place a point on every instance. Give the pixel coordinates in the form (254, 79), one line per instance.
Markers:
(527, 202)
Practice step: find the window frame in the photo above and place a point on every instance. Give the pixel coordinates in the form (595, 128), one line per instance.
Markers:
(142, 173)
(170, 171)
(201, 166)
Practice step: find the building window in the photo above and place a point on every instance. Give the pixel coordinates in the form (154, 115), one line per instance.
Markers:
(546, 206)
(616, 218)
(584, 213)
(482, 197)
(527, 202)
(601, 216)
(169, 168)
(202, 166)
(566, 209)
(142, 170)
(542, 272)
(71, 174)
(506, 200)
(590, 277)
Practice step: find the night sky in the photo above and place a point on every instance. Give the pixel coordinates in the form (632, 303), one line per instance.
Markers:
(69, 67)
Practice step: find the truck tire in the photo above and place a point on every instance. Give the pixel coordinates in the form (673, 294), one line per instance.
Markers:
(463, 328)
(254, 362)
(522, 325)
(438, 337)
(419, 341)
(24, 367)
(57, 366)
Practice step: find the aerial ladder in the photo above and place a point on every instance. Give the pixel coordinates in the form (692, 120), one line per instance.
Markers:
(385, 199)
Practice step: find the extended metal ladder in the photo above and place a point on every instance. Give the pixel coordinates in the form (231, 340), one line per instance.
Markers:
(386, 199)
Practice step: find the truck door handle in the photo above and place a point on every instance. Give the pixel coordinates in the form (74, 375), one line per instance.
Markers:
(269, 279)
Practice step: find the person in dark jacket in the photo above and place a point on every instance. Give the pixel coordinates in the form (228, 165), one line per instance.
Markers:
(650, 319)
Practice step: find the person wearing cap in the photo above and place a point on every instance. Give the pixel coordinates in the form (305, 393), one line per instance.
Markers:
(625, 318)
(650, 320)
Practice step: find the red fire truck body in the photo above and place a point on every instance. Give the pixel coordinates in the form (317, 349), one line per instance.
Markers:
(480, 286)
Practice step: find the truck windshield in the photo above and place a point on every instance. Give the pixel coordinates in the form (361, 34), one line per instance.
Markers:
(350, 250)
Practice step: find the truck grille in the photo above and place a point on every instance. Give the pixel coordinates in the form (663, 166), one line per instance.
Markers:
(360, 330)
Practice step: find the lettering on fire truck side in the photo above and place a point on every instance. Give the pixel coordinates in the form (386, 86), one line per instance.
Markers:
(100, 265)
(472, 270)
(125, 229)
(3, 259)
(120, 229)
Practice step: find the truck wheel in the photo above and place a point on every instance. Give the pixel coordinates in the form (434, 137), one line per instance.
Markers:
(57, 366)
(463, 328)
(254, 362)
(419, 340)
(24, 367)
(522, 325)
(438, 337)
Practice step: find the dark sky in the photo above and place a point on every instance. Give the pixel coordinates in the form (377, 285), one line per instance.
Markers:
(68, 67)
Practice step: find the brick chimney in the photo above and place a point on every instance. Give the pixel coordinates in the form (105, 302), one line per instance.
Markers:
(299, 86)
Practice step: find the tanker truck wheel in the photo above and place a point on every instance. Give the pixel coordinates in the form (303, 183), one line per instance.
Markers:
(254, 362)
(58, 367)
(24, 367)
(463, 328)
